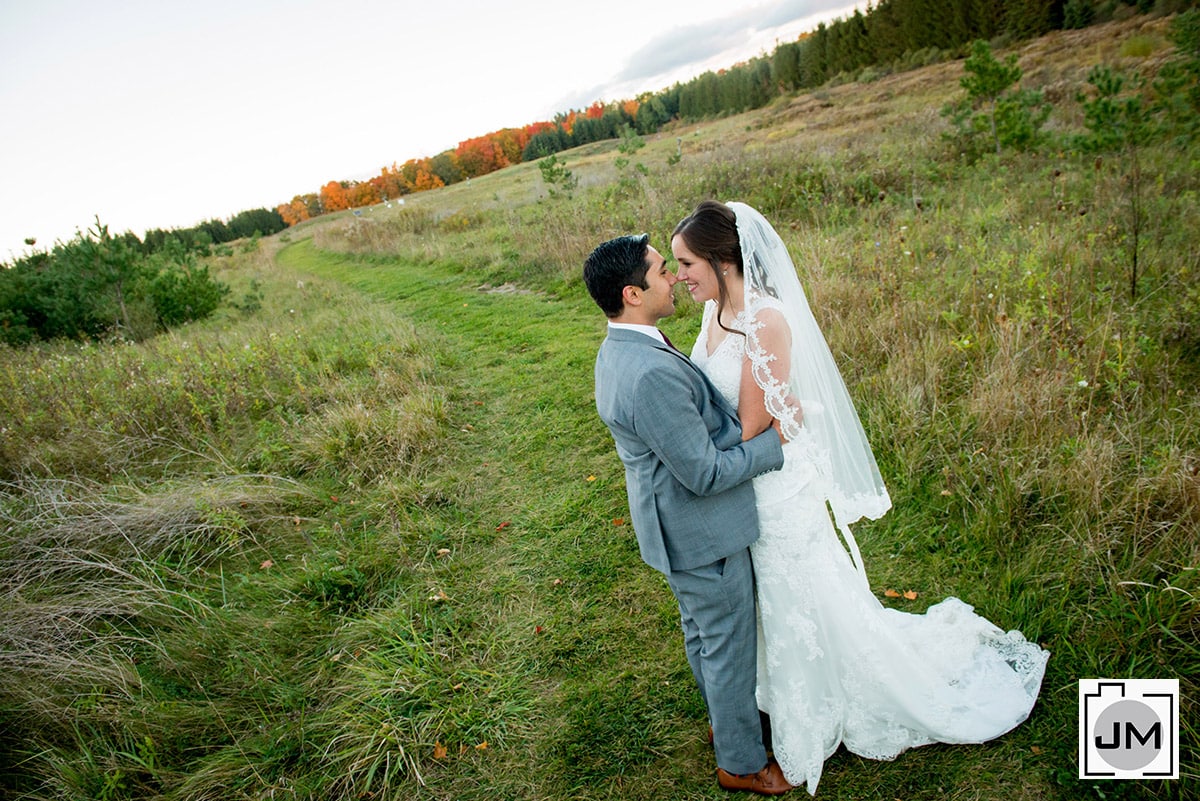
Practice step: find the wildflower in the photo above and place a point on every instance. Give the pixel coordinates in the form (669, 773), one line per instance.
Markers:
(1083, 383)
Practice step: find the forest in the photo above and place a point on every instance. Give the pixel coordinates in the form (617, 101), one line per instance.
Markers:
(891, 36)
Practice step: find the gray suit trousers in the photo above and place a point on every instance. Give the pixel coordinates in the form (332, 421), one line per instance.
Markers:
(716, 608)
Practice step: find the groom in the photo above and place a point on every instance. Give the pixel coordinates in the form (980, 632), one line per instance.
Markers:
(687, 475)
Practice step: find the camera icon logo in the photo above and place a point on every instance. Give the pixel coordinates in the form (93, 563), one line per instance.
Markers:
(1129, 729)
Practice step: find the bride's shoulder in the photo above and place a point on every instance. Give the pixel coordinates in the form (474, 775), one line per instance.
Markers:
(768, 320)
(765, 304)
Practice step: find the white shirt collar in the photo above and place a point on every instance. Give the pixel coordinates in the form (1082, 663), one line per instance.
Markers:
(648, 330)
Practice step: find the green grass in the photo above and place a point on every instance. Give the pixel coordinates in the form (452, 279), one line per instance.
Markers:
(372, 541)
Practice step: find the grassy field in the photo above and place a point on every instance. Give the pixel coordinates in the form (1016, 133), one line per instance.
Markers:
(370, 541)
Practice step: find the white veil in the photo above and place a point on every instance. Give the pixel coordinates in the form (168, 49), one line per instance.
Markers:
(804, 371)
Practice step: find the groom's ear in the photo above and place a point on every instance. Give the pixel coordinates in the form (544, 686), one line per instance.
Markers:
(632, 295)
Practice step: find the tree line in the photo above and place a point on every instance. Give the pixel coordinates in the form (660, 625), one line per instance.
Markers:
(101, 285)
(890, 36)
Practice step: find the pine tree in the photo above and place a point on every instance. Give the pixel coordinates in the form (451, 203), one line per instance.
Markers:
(987, 79)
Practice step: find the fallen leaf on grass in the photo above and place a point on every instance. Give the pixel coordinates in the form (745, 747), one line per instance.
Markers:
(910, 595)
(890, 593)
(439, 751)
(266, 564)
(618, 521)
(482, 746)
(591, 478)
(443, 552)
(503, 526)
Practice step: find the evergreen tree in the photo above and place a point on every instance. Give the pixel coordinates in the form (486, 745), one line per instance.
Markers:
(785, 66)
(920, 21)
(651, 114)
(545, 143)
(1025, 19)
(884, 40)
(1078, 13)
(857, 41)
(994, 110)
(987, 18)
(987, 79)
(814, 66)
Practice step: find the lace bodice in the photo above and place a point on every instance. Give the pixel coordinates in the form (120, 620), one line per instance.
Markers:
(724, 368)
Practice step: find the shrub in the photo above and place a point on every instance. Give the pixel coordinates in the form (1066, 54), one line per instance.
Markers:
(96, 285)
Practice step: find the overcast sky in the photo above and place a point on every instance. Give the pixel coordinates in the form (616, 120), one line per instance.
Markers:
(163, 113)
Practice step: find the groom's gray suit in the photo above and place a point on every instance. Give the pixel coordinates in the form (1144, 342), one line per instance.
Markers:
(687, 475)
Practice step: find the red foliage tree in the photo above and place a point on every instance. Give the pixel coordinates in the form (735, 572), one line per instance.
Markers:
(479, 156)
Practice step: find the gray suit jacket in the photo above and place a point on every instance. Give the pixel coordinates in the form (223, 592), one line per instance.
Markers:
(687, 470)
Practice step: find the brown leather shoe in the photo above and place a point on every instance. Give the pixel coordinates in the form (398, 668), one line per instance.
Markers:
(768, 781)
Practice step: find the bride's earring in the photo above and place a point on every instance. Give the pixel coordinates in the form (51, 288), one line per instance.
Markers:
(725, 272)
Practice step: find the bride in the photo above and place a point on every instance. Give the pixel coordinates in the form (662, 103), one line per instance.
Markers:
(835, 666)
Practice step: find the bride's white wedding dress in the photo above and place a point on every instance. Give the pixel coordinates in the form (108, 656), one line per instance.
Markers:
(837, 667)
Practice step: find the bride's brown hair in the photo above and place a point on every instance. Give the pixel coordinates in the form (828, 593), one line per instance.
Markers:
(710, 232)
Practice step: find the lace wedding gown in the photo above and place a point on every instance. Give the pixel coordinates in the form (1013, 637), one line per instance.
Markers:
(835, 666)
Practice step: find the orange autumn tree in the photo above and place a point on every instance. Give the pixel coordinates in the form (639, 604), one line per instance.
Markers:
(390, 183)
(363, 193)
(418, 175)
(294, 212)
(567, 122)
(333, 197)
(426, 180)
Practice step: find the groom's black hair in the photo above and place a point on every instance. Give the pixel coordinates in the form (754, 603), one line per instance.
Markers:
(614, 265)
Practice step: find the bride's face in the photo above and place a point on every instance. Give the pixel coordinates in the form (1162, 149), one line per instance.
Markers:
(695, 272)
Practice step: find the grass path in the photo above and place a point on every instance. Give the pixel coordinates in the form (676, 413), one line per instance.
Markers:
(543, 559)
(593, 698)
